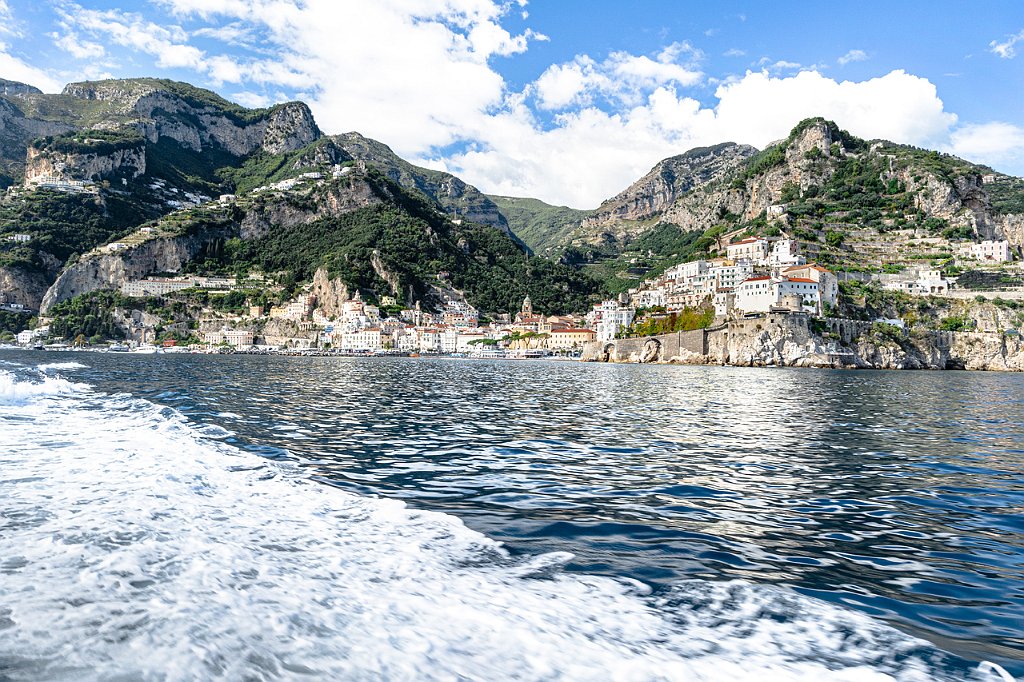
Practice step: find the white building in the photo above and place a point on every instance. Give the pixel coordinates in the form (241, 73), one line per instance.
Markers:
(786, 252)
(19, 238)
(368, 339)
(449, 340)
(752, 248)
(609, 318)
(61, 184)
(429, 339)
(31, 335)
(239, 338)
(828, 283)
(932, 282)
(988, 251)
(730, 275)
(155, 286)
(236, 338)
(648, 298)
(761, 294)
(686, 272)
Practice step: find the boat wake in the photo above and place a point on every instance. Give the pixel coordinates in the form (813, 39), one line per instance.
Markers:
(136, 545)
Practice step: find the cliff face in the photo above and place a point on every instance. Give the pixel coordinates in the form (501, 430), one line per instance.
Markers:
(23, 286)
(110, 270)
(655, 194)
(196, 119)
(17, 131)
(787, 341)
(264, 216)
(836, 180)
(454, 196)
(284, 128)
(128, 163)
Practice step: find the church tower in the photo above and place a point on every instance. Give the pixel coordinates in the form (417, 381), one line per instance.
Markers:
(527, 310)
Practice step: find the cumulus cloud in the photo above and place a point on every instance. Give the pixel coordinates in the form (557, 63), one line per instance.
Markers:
(1006, 49)
(14, 68)
(73, 44)
(592, 154)
(622, 77)
(852, 56)
(994, 143)
(424, 77)
(167, 43)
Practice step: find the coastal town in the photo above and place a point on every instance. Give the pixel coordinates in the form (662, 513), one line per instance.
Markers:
(756, 276)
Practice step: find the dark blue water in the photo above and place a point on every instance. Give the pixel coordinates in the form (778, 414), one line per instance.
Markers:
(898, 494)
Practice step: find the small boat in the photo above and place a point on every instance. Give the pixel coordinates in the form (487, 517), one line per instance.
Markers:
(147, 349)
(118, 348)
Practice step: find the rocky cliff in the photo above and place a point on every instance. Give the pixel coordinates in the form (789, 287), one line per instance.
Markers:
(819, 178)
(455, 197)
(87, 162)
(655, 194)
(27, 287)
(196, 119)
(105, 269)
(782, 340)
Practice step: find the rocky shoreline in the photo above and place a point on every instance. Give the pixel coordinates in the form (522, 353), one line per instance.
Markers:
(795, 340)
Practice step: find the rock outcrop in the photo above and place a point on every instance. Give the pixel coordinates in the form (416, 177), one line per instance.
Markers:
(782, 340)
(27, 287)
(455, 197)
(330, 292)
(128, 162)
(104, 269)
(654, 194)
(110, 270)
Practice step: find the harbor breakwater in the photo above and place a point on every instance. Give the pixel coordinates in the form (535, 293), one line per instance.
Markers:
(797, 340)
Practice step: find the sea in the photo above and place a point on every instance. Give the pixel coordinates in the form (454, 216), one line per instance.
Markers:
(227, 517)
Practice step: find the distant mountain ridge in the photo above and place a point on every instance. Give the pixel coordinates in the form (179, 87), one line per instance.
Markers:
(877, 199)
(152, 147)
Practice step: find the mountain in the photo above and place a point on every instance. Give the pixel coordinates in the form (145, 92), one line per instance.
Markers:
(149, 147)
(546, 229)
(354, 231)
(851, 203)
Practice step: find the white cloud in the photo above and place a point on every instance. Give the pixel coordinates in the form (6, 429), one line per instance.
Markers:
(1006, 49)
(995, 144)
(167, 43)
(13, 68)
(734, 52)
(852, 56)
(420, 76)
(591, 154)
(71, 43)
(622, 77)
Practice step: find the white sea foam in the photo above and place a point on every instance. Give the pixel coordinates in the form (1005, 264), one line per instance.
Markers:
(15, 391)
(134, 546)
(50, 366)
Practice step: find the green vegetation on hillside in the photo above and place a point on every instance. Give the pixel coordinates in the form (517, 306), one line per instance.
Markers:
(90, 315)
(92, 141)
(542, 227)
(654, 322)
(61, 224)
(412, 243)
(12, 323)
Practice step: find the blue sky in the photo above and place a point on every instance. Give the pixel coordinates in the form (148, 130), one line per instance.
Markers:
(566, 100)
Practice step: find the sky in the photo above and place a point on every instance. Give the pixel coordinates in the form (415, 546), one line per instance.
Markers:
(568, 101)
